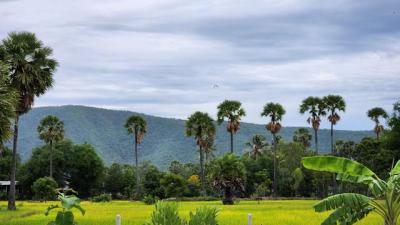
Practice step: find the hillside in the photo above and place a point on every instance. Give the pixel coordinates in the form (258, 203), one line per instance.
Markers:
(164, 142)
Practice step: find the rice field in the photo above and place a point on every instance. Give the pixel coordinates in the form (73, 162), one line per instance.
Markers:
(285, 212)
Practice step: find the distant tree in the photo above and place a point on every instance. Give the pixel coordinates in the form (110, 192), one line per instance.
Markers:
(5, 164)
(275, 111)
(346, 149)
(315, 106)
(51, 130)
(45, 189)
(8, 100)
(258, 143)
(232, 111)
(200, 126)
(174, 185)
(151, 180)
(136, 125)
(334, 104)
(227, 174)
(374, 114)
(120, 181)
(31, 74)
(302, 136)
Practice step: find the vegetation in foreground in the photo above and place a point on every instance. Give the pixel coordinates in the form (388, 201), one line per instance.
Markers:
(277, 212)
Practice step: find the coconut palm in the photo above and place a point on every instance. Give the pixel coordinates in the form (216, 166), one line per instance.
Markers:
(31, 70)
(232, 111)
(258, 143)
(316, 108)
(136, 125)
(275, 111)
(334, 104)
(8, 100)
(302, 136)
(51, 131)
(348, 208)
(375, 114)
(201, 126)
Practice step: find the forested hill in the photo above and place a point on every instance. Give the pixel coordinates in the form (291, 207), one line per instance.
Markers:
(164, 142)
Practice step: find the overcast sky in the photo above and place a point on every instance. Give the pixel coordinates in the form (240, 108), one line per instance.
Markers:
(171, 58)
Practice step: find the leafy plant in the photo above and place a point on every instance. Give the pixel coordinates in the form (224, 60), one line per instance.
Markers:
(102, 198)
(44, 188)
(351, 207)
(204, 216)
(149, 199)
(65, 216)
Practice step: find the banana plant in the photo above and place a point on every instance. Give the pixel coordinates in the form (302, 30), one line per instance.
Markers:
(65, 216)
(348, 208)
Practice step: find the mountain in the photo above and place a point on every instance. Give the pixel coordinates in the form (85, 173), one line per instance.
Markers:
(164, 142)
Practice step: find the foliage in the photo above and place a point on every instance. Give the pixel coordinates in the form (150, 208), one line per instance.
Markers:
(51, 129)
(149, 199)
(5, 164)
(351, 207)
(302, 136)
(174, 185)
(258, 144)
(44, 189)
(136, 125)
(120, 181)
(227, 174)
(102, 198)
(203, 216)
(66, 216)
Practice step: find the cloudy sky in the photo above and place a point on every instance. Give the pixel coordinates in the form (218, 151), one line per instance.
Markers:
(173, 57)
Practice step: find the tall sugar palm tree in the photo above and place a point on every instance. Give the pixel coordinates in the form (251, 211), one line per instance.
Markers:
(275, 111)
(375, 114)
(232, 111)
(51, 131)
(257, 144)
(316, 108)
(201, 126)
(31, 70)
(136, 125)
(302, 136)
(334, 104)
(8, 100)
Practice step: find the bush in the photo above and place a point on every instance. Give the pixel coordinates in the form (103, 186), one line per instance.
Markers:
(149, 199)
(44, 189)
(167, 214)
(102, 198)
(3, 195)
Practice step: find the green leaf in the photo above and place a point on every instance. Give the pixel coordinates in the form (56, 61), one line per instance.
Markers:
(69, 202)
(65, 218)
(336, 165)
(396, 169)
(50, 208)
(341, 200)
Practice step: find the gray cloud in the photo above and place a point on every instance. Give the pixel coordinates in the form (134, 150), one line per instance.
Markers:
(164, 58)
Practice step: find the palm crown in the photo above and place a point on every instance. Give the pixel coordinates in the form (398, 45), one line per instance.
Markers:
(375, 114)
(136, 125)
(201, 126)
(316, 108)
(8, 99)
(334, 103)
(51, 129)
(30, 65)
(275, 111)
(233, 111)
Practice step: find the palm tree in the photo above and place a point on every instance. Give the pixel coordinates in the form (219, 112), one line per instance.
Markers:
(51, 130)
(257, 144)
(302, 136)
(201, 126)
(375, 114)
(232, 111)
(334, 104)
(209, 148)
(316, 108)
(348, 208)
(8, 100)
(31, 75)
(136, 125)
(275, 111)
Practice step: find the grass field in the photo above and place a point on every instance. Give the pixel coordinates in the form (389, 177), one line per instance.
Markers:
(136, 213)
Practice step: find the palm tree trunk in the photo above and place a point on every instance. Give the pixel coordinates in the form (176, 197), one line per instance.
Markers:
(332, 150)
(275, 168)
(333, 153)
(51, 158)
(231, 142)
(11, 195)
(316, 140)
(202, 174)
(137, 166)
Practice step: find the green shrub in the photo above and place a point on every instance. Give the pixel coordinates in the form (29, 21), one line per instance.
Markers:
(204, 216)
(44, 189)
(149, 199)
(102, 198)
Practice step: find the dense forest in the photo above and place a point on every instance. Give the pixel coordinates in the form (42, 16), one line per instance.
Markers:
(165, 140)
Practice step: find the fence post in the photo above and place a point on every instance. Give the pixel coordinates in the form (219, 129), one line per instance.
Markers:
(250, 219)
(118, 220)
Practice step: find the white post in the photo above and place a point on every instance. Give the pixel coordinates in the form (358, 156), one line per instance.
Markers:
(118, 220)
(250, 219)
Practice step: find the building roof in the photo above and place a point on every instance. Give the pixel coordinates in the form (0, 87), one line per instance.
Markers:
(6, 182)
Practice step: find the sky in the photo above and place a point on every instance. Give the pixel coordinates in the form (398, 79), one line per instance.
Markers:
(171, 58)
